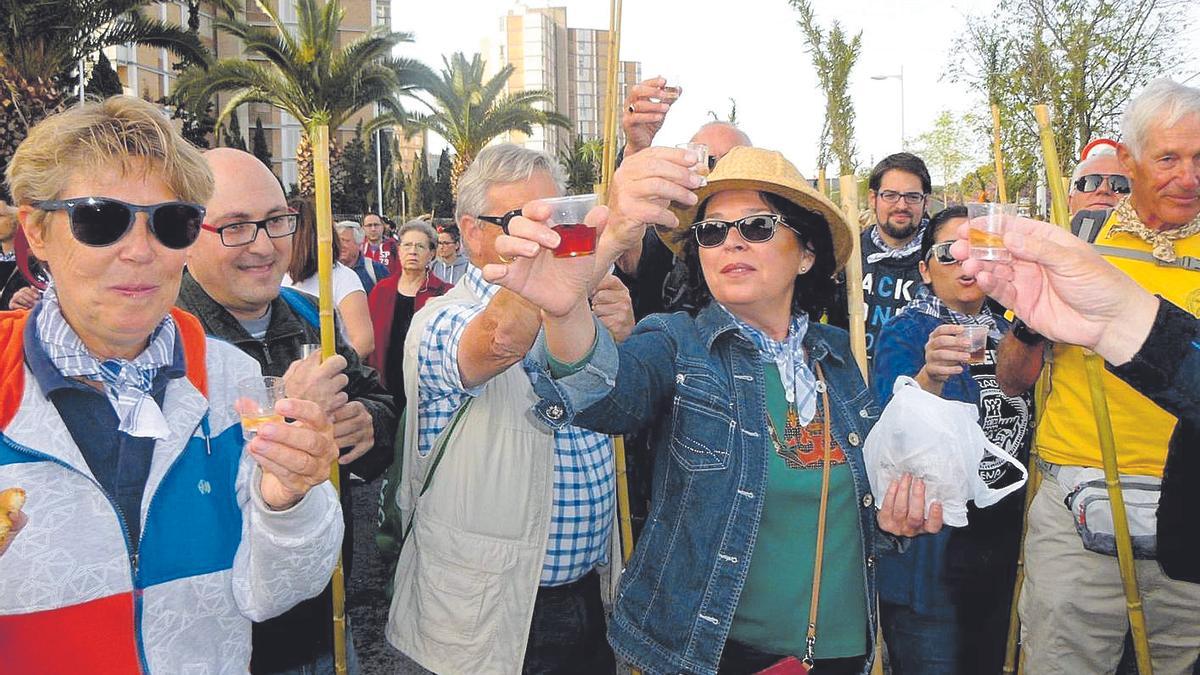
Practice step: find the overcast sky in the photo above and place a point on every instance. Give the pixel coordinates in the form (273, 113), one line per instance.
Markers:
(753, 51)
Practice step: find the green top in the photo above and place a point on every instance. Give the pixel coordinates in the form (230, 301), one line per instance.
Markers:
(772, 614)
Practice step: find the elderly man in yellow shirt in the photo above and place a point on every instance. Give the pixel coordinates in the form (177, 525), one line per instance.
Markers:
(1072, 606)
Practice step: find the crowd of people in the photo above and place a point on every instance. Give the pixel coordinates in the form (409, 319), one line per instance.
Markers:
(488, 378)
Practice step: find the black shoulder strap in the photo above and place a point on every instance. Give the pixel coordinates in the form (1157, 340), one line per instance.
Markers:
(439, 450)
(1087, 224)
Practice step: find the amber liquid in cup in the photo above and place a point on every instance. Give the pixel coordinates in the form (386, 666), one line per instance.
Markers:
(577, 240)
(978, 336)
(986, 233)
(251, 423)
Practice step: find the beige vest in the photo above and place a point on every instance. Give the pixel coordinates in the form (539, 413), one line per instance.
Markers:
(468, 575)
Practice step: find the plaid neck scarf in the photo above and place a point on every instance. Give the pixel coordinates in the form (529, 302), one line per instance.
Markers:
(926, 302)
(126, 383)
(1161, 240)
(799, 383)
(913, 246)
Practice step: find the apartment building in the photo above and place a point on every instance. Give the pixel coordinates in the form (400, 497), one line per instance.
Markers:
(571, 63)
(148, 72)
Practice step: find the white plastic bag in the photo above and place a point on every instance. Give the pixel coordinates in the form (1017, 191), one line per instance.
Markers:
(938, 441)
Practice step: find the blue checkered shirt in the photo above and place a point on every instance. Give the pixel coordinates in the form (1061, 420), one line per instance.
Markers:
(582, 512)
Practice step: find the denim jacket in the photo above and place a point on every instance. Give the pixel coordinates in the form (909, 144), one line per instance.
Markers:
(700, 385)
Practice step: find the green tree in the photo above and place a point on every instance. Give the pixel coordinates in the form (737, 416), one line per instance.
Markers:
(262, 149)
(427, 188)
(232, 136)
(833, 54)
(443, 194)
(468, 112)
(104, 81)
(308, 72)
(1083, 58)
(947, 148)
(353, 177)
(43, 41)
(413, 186)
(582, 164)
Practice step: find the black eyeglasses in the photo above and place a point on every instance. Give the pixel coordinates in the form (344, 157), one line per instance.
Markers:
(1093, 181)
(245, 232)
(941, 253)
(503, 220)
(754, 229)
(103, 221)
(910, 198)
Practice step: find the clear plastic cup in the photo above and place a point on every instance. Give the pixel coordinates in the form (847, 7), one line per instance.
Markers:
(988, 223)
(701, 150)
(566, 218)
(978, 336)
(255, 403)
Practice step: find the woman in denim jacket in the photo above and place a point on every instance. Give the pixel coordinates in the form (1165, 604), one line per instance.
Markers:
(722, 578)
(944, 602)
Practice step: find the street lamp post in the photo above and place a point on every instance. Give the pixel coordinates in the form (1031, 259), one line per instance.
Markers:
(900, 77)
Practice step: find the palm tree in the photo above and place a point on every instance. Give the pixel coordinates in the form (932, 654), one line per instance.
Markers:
(582, 164)
(469, 113)
(43, 41)
(307, 74)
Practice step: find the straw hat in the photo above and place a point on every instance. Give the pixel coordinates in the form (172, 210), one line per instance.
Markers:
(764, 171)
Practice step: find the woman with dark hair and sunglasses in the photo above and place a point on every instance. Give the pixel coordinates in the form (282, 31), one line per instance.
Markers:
(349, 298)
(762, 537)
(146, 510)
(944, 602)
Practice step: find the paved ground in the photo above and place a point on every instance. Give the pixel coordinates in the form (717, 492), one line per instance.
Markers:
(365, 603)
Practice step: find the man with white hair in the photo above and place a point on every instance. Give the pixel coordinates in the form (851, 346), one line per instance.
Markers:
(509, 518)
(1072, 606)
(350, 238)
(1098, 183)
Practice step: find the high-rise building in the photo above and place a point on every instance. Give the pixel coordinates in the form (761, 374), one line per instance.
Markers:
(149, 73)
(571, 63)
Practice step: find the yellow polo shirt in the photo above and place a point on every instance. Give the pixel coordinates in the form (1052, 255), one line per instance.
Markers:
(1068, 431)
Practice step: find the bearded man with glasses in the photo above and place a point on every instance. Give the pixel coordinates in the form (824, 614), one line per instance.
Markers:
(233, 284)
(891, 249)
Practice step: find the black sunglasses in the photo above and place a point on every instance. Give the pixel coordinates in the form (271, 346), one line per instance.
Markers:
(941, 253)
(754, 229)
(245, 232)
(103, 221)
(503, 220)
(1093, 181)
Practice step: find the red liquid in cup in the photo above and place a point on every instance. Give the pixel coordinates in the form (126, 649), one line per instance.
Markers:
(577, 240)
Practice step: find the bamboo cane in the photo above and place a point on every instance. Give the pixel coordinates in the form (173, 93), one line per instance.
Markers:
(612, 90)
(822, 185)
(854, 273)
(856, 311)
(1001, 185)
(1108, 447)
(319, 135)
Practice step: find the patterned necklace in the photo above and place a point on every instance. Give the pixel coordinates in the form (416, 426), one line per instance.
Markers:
(1162, 241)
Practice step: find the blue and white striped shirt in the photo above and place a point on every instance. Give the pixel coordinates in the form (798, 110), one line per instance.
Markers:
(582, 511)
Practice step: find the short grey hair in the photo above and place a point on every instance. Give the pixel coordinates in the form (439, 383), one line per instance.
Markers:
(418, 226)
(1163, 102)
(355, 229)
(498, 164)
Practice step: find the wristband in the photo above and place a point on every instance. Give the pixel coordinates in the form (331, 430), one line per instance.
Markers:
(1021, 331)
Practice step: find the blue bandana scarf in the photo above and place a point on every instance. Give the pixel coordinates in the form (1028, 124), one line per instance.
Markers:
(126, 383)
(927, 303)
(799, 383)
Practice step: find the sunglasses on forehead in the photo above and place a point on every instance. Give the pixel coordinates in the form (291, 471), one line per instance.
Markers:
(103, 221)
(1093, 181)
